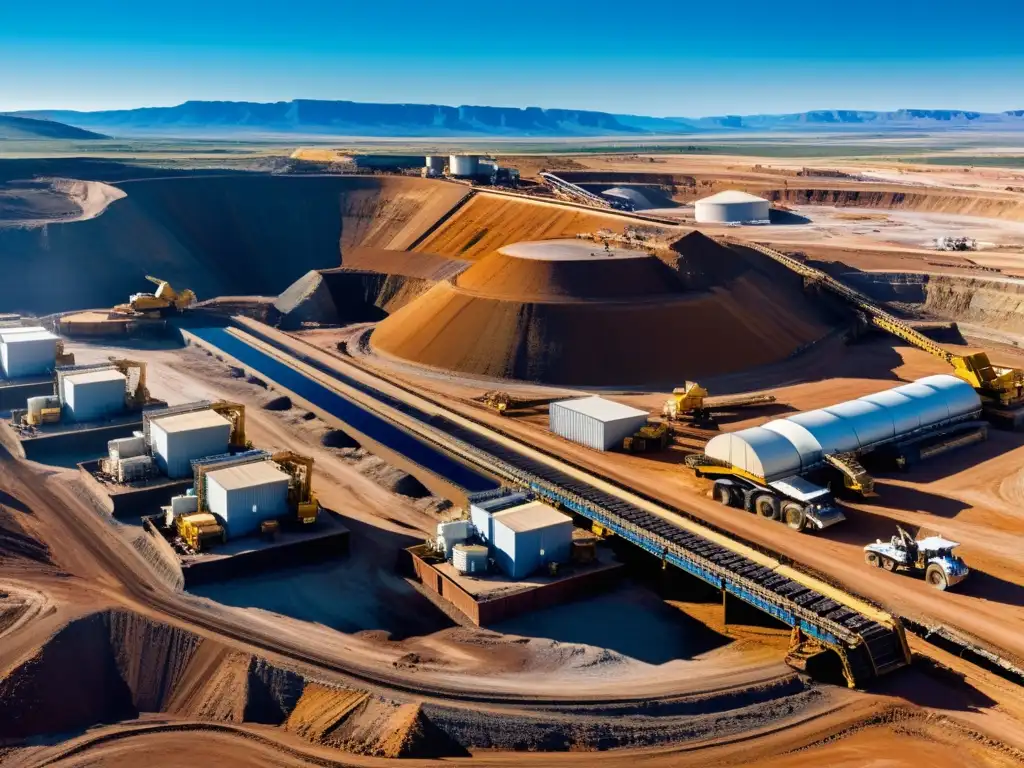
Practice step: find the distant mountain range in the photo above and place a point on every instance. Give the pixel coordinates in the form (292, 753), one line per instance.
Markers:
(12, 127)
(348, 118)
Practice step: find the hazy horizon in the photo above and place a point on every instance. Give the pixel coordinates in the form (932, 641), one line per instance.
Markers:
(661, 59)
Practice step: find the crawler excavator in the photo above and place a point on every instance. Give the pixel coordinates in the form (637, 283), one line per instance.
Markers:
(165, 300)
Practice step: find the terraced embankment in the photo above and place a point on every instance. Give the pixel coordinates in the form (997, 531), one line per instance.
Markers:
(220, 235)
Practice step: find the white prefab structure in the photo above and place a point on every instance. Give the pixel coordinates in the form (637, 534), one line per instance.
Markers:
(595, 422)
(247, 495)
(27, 352)
(463, 166)
(178, 440)
(731, 207)
(528, 537)
(796, 444)
(481, 514)
(94, 395)
(451, 533)
(469, 558)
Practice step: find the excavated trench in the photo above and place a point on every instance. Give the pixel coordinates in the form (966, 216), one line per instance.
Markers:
(992, 207)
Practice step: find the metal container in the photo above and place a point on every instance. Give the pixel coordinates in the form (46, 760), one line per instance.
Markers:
(595, 422)
(245, 496)
(481, 514)
(469, 558)
(135, 469)
(184, 504)
(177, 440)
(528, 537)
(731, 207)
(463, 166)
(126, 447)
(27, 352)
(94, 395)
(452, 533)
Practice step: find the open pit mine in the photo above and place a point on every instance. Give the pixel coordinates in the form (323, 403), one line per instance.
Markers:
(513, 460)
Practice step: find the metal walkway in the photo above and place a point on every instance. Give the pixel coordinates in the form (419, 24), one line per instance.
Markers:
(868, 648)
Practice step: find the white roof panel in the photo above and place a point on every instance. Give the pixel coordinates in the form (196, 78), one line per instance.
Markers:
(601, 409)
(530, 517)
(732, 196)
(185, 422)
(15, 330)
(799, 488)
(93, 377)
(248, 475)
(33, 335)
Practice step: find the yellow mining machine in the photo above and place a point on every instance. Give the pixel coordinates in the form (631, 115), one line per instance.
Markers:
(200, 530)
(63, 358)
(235, 413)
(503, 401)
(692, 400)
(1001, 388)
(649, 438)
(301, 498)
(163, 301)
(135, 372)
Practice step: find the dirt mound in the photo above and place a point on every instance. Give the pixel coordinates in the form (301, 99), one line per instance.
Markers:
(219, 235)
(336, 438)
(276, 403)
(521, 272)
(16, 539)
(744, 314)
(392, 478)
(487, 222)
(321, 709)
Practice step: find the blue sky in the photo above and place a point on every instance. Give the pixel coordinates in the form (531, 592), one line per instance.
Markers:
(654, 57)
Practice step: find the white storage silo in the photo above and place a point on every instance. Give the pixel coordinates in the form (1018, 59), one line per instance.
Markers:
(177, 440)
(27, 352)
(435, 165)
(94, 395)
(731, 207)
(247, 495)
(463, 166)
(595, 422)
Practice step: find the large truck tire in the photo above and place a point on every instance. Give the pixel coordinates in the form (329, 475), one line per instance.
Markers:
(936, 577)
(793, 515)
(724, 495)
(767, 506)
(872, 559)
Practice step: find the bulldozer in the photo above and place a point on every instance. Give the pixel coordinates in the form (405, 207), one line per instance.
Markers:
(165, 300)
(692, 400)
(503, 401)
(649, 438)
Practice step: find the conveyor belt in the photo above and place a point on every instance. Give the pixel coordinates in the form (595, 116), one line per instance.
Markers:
(867, 647)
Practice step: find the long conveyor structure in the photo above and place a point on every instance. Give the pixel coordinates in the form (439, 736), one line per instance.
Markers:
(868, 642)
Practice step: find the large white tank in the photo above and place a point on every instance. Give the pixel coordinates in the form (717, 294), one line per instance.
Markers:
(464, 166)
(731, 207)
(435, 164)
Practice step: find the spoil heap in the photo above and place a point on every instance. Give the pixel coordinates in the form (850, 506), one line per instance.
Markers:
(571, 312)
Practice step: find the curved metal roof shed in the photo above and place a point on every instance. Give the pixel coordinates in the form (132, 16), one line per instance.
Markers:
(785, 447)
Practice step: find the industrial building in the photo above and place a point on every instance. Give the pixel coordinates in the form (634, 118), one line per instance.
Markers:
(797, 444)
(528, 537)
(179, 439)
(27, 351)
(731, 207)
(595, 422)
(94, 395)
(247, 495)
(481, 512)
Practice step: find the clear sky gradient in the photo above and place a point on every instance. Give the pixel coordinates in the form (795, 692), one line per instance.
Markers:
(654, 57)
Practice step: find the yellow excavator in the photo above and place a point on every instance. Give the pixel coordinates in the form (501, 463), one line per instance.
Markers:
(692, 400)
(301, 498)
(163, 301)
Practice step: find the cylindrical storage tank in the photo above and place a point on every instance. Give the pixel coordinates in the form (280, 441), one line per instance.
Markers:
(463, 166)
(247, 495)
(731, 208)
(469, 558)
(435, 164)
(177, 440)
(94, 395)
(595, 422)
(27, 352)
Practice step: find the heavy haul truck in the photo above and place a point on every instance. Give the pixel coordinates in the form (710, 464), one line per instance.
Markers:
(165, 300)
(930, 558)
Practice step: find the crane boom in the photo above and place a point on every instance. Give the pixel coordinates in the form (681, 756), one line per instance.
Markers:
(1004, 386)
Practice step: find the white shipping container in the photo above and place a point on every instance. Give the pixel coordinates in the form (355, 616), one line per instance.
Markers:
(595, 422)
(469, 558)
(27, 354)
(126, 447)
(177, 440)
(528, 537)
(136, 468)
(247, 495)
(94, 395)
(184, 504)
